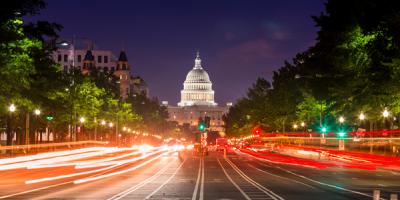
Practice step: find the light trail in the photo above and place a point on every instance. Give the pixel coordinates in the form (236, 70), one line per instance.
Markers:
(48, 155)
(91, 171)
(83, 163)
(58, 159)
(119, 172)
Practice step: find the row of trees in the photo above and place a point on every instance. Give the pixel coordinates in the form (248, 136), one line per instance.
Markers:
(30, 81)
(352, 70)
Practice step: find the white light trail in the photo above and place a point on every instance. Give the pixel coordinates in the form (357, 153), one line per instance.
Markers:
(116, 164)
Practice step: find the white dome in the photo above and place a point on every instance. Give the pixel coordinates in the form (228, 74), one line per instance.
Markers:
(198, 75)
(197, 88)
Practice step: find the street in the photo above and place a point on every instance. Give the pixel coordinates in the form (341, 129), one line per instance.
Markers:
(169, 175)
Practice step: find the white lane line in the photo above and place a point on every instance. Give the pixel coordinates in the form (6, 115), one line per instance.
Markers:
(141, 184)
(315, 181)
(299, 182)
(233, 182)
(84, 180)
(42, 188)
(202, 182)
(194, 197)
(166, 182)
(33, 190)
(254, 183)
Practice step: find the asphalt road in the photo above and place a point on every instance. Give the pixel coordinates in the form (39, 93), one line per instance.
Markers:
(238, 176)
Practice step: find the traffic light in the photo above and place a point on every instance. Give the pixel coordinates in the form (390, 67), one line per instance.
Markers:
(207, 120)
(324, 129)
(49, 118)
(342, 134)
(202, 126)
(257, 131)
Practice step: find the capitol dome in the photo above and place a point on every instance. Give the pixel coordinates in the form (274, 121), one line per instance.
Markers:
(197, 88)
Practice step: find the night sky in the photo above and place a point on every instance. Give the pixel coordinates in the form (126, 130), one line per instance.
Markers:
(238, 40)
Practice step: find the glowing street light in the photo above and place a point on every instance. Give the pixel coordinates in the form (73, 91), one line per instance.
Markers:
(385, 113)
(37, 112)
(110, 124)
(124, 128)
(103, 122)
(302, 124)
(12, 108)
(341, 119)
(82, 120)
(362, 116)
(295, 126)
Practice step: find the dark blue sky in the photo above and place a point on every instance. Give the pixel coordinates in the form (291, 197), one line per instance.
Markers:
(239, 40)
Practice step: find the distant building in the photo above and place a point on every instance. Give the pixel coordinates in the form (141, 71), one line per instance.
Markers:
(105, 61)
(197, 101)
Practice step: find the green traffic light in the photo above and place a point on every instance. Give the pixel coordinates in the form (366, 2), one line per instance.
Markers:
(49, 118)
(323, 129)
(202, 126)
(342, 134)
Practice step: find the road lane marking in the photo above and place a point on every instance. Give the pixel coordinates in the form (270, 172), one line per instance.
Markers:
(139, 185)
(202, 181)
(299, 182)
(34, 190)
(196, 188)
(254, 183)
(315, 181)
(88, 172)
(84, 180)
(166, 182)
(233, 182)
(45, 187)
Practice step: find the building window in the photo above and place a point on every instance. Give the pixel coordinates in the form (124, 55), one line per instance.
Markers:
(59, 58)
(79, 58)
(105, 59)
(65, 68)
(65, 58)
(105, 69)
(99, 59)
(112, 68)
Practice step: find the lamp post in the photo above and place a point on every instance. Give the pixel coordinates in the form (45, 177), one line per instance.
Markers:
(303, 125)
(82, 120)
(37, 112)
(10, 133)
(295, 127)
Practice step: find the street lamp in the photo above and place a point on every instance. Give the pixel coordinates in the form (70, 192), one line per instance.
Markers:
(341, 119)
(103, 122)
(361, 117)
(12, 108)
(110, 124)
(37, 112)
(82, 120)
(295, 126)
(385, 113)
(124, 128)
